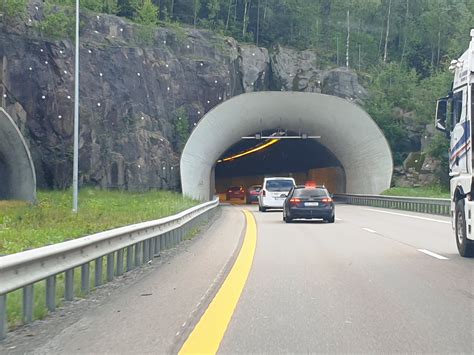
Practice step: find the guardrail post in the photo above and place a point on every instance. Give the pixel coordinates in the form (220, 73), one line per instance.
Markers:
(51, 293)
(85, 278)
(28, 291)
(110, 266)
(156, 251)
(137, 254)
(69, 289)
(3, 316)
(98, 272)
(162, 242)
(129, 258)
(152, 247)
(144, 251)
(119, 270)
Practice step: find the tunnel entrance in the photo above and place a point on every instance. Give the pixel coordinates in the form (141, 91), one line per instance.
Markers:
(303, 159)
(348, 136)
(17, 174)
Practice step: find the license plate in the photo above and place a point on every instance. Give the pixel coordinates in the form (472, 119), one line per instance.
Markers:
(311, 204)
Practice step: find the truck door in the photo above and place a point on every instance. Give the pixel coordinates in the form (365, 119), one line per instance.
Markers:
(461, 133)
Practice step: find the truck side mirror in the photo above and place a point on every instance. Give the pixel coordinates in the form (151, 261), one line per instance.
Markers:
(441, 114)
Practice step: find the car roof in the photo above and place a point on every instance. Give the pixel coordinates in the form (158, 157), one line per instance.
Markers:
(279, 178)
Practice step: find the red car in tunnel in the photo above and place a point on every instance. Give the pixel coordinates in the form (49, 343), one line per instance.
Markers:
(252, 193)
(235, 192)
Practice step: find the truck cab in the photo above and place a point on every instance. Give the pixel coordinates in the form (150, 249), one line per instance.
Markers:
(454, 117)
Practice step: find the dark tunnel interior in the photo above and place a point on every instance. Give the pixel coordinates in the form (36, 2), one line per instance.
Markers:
(300, 158)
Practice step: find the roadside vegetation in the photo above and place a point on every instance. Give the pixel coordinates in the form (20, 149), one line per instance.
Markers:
(434, 191)
(24, 226)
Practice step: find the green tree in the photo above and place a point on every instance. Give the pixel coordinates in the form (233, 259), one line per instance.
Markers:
(147, 13)
(181, 127)
(12, 9)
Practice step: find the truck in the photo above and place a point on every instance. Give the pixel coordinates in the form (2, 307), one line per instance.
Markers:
(455, 117)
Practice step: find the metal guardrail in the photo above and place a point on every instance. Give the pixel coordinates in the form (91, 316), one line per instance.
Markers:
(438, 206)
(123, 248)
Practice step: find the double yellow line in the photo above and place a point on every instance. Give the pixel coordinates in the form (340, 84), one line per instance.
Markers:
(209, 331)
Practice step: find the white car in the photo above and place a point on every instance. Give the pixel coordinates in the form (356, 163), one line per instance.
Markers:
(273, 192)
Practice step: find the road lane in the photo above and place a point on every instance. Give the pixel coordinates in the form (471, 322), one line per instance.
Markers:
(317, 287)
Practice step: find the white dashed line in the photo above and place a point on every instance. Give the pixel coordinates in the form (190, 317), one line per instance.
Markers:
(411, 216)
(434, 255)
(338, 219)
(369, 230)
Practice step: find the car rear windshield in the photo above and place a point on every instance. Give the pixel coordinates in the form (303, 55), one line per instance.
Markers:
(279, 185)
(310, 193)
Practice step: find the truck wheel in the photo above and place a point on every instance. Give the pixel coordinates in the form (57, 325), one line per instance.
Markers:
(465, 246)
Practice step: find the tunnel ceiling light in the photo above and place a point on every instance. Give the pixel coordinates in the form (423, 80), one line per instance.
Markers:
(258, 148)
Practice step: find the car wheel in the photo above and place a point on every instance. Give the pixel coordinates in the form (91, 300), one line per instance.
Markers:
(288, 219)
(331, 219)
(263, 209)
(465, 246)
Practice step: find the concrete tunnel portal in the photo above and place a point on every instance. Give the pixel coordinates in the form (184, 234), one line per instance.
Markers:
(351, 155)
(17, 173)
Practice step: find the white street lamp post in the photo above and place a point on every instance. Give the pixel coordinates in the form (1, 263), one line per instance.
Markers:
(76, 118)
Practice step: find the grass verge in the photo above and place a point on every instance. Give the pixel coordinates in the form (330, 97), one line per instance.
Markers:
(24, 226)
(425, 191)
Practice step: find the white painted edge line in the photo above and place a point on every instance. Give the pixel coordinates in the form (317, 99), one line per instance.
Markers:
(369, 230)
(409, 215)
(434, 255)
(338, 219)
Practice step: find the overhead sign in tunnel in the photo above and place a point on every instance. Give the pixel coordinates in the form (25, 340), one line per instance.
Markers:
(17, 173)
(345, 130)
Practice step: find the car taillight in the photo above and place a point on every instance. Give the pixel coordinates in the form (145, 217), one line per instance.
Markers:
(295, 200)
(327, 199)
(241, 190)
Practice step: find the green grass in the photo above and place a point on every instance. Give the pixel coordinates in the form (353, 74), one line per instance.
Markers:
(24, 226)
(425, 191)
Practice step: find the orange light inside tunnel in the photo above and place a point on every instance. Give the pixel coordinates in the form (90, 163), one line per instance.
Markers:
(250, 151)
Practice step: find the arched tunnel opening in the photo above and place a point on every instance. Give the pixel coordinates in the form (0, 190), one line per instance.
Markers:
(350, 144)
(303, 159)
(5, 180)
(17, 174)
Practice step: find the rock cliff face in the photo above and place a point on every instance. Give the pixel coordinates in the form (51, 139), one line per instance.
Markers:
(135, 87)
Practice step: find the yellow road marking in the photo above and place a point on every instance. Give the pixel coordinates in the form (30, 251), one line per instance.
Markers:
(209, 331)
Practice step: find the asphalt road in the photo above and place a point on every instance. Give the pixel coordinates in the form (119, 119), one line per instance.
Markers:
(358, 285)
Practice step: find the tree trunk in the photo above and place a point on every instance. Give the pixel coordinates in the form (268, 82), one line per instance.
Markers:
(405, 33)
(228, 15)
(348, 38)
(172, 9)
(387, 33)
(439, 49)
(246, 11)
(258, 20)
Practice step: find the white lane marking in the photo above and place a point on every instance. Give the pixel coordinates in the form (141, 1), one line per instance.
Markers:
(338, 219)
(409, 215)
(434, 255)
(369, 230)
